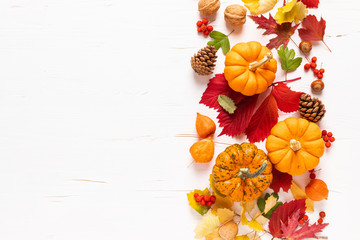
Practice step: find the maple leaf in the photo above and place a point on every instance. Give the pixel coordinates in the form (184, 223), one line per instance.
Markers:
(236, 123)
(282, 214)
(218, 85)
(313, 30)
(261, 123)
(283, 31)
(287, 100)
(311, 3)
(280, 180)
(306, 231)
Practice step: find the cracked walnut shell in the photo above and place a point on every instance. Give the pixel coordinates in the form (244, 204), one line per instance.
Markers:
(208, 7)
(235, 15)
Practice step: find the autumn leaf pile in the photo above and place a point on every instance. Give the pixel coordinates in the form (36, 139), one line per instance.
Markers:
(255, 116)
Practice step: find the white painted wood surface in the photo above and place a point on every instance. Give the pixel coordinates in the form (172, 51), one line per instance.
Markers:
(92, 94)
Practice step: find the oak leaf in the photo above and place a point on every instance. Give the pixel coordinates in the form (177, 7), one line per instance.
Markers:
(293, 11)
(282, 214)
(283, 31)
(280, 180)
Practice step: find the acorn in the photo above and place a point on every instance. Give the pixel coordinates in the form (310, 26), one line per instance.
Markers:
(305, 46)
(317, 85)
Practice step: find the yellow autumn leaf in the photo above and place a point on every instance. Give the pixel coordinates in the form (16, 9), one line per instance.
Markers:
(225, 214)
(222, 202)
(244, 220)
(255, 225)
(213, 235)
(292, 11)
(260, 218)
(242, 237)
(270, 203)
(249, 206)
(207, 224)
(298, 193)
(257, 7)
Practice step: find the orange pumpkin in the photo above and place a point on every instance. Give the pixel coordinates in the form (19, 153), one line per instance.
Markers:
(250, 68)
(295, 146)
(242, 172)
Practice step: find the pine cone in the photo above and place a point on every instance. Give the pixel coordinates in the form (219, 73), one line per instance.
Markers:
(203, 62)
(311, 109)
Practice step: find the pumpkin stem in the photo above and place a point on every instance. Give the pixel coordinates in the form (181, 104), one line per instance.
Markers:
(245, 173)
(295, 145)
(254, 65)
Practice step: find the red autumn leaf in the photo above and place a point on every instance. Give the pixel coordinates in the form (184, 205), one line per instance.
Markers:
(310, 3)
(265, 117)
(282, 214)
(306, 231)
(312, 29)
(287, 100)
(216, 86)
(236, 123)
(283, 31)
(280, 180)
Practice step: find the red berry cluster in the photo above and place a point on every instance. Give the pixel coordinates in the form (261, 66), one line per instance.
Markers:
(328, 138)
(202, 26)
(304, 219)
(312, 174)
(317, 72)
(321, 217)
(205, 200)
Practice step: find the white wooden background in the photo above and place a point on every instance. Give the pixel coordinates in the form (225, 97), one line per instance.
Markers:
(92, 94)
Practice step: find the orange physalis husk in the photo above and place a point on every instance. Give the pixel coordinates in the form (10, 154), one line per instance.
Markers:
(317, 190)
(205, 126)
(203, 150)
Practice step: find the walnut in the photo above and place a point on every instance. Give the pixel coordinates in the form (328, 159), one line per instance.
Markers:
(208, 7)
(235, 15)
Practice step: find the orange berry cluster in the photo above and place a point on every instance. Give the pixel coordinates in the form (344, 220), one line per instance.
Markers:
(328, 138)
(205, 200)
(317, 72)
(202, 27)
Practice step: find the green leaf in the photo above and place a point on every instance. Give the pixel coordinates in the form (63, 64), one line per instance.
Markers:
(226, 103)
(288, 63)
(261, 204)
(220, 41)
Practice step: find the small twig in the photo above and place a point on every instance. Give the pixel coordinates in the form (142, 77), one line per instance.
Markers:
(286, 81)
(301, 50)
(230, 32)
(326, 46)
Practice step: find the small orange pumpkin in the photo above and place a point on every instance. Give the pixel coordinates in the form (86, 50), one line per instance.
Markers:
(295, 146)
(242, 172)
(250, 68)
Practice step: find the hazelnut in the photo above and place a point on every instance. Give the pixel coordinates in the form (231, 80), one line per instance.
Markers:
(305, 46)
(235, 15)
(208, 7)
(317, 85)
